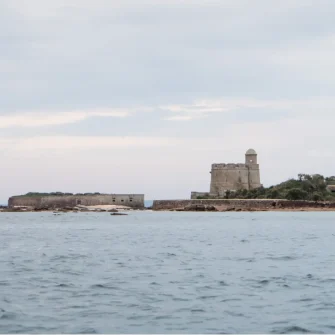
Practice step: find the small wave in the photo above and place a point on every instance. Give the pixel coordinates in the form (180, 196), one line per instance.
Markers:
(135, 317)
(132, 306)
(198, 310)
(328, 280)
(103, 287)
(282, 258)
(292, 330)
(310, 285)
(325, 306)
(7, 315)
(231, 299)
(76, 306)
(154, 284)
(223, 283)
(58, 258)
(88, 331)
(235, 314)
(205, 297)
(164, 317)
(120, 263)
(303, 300)
(168, 295)
(180, 299)
(64, 285)
(200, 275)
(248, 260)
(207, 287)
(264, 282)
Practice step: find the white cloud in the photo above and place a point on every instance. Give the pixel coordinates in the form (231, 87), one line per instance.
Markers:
(206, 107)
(183, 117)
(84, 142)
(49, 118)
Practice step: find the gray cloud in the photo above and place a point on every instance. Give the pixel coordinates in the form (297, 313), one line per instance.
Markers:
(61, 56)
(111, 53)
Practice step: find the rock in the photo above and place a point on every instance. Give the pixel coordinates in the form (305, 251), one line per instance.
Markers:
(211, 209)
(200, 208)
(230, 209)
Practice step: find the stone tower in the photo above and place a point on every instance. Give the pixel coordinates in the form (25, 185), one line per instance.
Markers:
(232, 177)
(253, 168)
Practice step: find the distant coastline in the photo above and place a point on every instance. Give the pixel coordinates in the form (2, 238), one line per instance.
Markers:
(307, 193)
(204, 205)
(241, 205)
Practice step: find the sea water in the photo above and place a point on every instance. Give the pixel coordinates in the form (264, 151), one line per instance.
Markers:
(167, 272)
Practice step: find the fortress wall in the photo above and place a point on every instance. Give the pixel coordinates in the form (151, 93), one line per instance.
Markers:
(24, 201)
(231, 177)
(242, 204)
(254, 175)
(130, 200)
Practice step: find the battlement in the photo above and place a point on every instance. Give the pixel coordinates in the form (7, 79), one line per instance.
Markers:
(228, 166)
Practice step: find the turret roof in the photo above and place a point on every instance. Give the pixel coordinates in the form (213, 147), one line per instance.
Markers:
(251, 152)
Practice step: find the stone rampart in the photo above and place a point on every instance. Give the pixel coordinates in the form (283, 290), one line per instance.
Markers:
(228, 166)
(130, 200)
(242, 204)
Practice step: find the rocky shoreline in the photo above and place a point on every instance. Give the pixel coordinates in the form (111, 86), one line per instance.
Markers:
(113, 209)
(182, 206)
(199, 208)
(242, 205)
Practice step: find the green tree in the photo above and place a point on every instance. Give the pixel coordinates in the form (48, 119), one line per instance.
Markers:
(296, 194)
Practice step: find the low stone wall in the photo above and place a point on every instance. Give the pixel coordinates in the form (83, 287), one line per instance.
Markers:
(241, 204)
(195, 195)
(130, 200)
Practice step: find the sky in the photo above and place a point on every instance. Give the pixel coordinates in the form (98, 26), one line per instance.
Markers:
(142, 96)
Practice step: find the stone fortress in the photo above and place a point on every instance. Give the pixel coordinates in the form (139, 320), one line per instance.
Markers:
(233, 177)
(62, 201)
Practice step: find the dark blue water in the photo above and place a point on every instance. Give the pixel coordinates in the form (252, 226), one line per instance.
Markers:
(167, 273)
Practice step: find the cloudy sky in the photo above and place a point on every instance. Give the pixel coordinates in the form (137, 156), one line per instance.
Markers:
(142, 96)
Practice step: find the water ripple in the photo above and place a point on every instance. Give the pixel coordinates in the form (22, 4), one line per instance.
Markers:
(167, 272)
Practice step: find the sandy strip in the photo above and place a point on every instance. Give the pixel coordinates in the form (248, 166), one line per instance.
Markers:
(105, 207)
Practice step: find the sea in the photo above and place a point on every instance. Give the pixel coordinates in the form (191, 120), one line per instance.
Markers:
(167, 272)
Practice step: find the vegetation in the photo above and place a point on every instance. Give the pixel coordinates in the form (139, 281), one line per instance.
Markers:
(305, 187)
(38, 194)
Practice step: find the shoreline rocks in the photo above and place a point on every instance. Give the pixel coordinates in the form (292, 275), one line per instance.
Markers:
(238, 205)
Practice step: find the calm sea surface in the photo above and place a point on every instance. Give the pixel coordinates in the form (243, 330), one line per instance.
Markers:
(167, 273)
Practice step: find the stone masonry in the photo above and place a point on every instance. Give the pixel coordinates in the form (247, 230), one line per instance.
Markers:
(130, 200)
(232, 177)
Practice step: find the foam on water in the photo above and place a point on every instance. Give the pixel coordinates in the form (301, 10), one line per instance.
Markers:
(167, 273)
